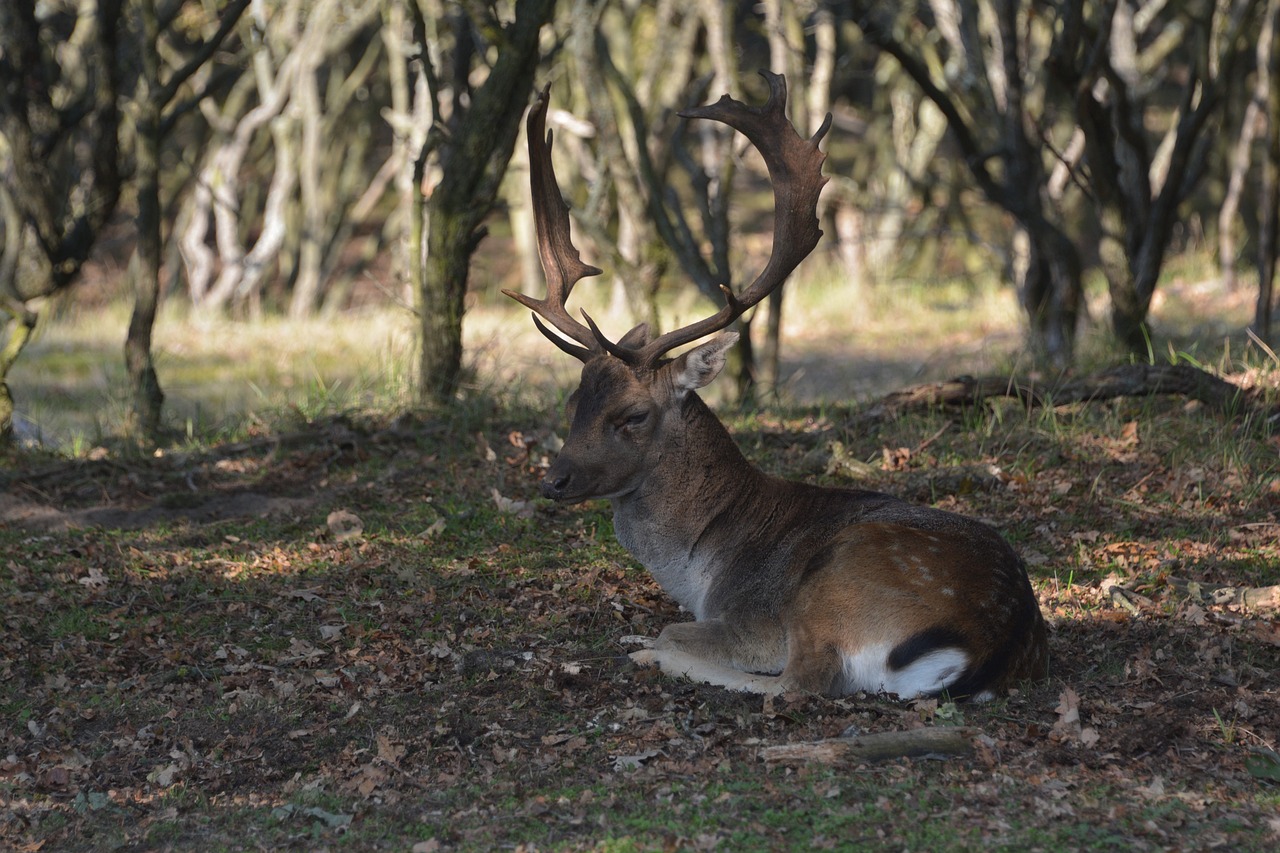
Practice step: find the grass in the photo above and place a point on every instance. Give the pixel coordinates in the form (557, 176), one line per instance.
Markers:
(226, 380)
(222, 379)
(232, 675)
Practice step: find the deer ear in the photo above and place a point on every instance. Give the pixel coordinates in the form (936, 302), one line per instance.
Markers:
(701, 364)
(636, 338)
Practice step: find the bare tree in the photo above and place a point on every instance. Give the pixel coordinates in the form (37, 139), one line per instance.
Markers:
(59, 129)
(987, 87)
(1118, 61)
(1255, 121)
(158, 99)
(1269, 230)
(307, 61)
(476, 109)
(1012, 71)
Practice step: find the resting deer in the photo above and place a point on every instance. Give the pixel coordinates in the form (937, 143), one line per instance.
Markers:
(792, 586)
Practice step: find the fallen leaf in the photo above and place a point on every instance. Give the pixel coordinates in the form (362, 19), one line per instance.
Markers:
(371, 777)
(94, 580)
(390, 750)
(163, 776)
(330, 819)
(633, 762)
(1153, 791)
(520, 509)
(344, 525)
(1068, 727)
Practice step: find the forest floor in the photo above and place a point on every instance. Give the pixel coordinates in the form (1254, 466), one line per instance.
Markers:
(366, 632)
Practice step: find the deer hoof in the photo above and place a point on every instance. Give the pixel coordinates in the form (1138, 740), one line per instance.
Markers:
(645, 657)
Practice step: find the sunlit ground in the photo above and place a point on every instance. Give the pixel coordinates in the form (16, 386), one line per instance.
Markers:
(840, 345)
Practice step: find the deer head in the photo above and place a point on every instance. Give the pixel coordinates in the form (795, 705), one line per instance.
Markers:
(632, 401)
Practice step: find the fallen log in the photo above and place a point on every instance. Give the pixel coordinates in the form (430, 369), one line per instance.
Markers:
(878, 746)
(1125, 380)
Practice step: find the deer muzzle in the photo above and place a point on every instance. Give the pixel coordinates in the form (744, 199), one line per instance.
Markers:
(555, 485)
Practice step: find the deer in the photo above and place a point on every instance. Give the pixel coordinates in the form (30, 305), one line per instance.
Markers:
(792, 586)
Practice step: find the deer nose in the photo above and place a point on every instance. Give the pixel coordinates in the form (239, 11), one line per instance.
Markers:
(554, 485)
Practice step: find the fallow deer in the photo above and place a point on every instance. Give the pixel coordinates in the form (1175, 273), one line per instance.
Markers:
(792, 586)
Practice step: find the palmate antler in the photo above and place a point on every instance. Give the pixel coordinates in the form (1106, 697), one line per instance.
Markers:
(795, 170)
(561, 263)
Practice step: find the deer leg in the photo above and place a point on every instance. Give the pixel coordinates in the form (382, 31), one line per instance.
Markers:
(712, 653)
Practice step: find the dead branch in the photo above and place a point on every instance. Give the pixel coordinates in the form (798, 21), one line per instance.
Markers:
(1126, 380)
(879, 746)
(1254, 597)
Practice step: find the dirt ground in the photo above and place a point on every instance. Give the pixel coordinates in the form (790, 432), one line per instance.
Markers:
(340, 636)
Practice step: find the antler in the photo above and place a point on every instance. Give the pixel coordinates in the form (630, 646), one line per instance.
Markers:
(795, 170)
(561, 263)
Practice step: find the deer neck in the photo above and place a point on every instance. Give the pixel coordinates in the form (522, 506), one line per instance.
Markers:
(701, 480)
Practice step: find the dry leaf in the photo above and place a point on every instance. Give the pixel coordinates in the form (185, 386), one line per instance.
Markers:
(1068, 727)
(163, 776)
(371, 776)
(389, 750)
(94, 580)
(633, 762)
(520, 509)
(344, 525)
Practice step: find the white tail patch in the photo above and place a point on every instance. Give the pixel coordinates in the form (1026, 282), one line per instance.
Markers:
(868, 669)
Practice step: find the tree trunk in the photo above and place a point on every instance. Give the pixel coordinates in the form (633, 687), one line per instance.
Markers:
(1128, 308)
(148, 399)
(741, 366)
(306, 287)
(1240, 162)
(21, 323)
(1051, 293)
(1270, 230)
(451, 239)
(474, 159)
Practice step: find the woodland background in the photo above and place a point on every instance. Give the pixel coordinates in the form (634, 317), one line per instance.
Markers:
(253, 158)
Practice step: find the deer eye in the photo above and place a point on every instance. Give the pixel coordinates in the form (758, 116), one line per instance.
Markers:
(634, 419)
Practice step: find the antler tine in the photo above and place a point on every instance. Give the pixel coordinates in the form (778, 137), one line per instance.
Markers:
(561, 264)
(795, 170)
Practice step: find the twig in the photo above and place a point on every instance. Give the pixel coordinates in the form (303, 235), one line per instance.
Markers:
(879, 746)
(1256, 597)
